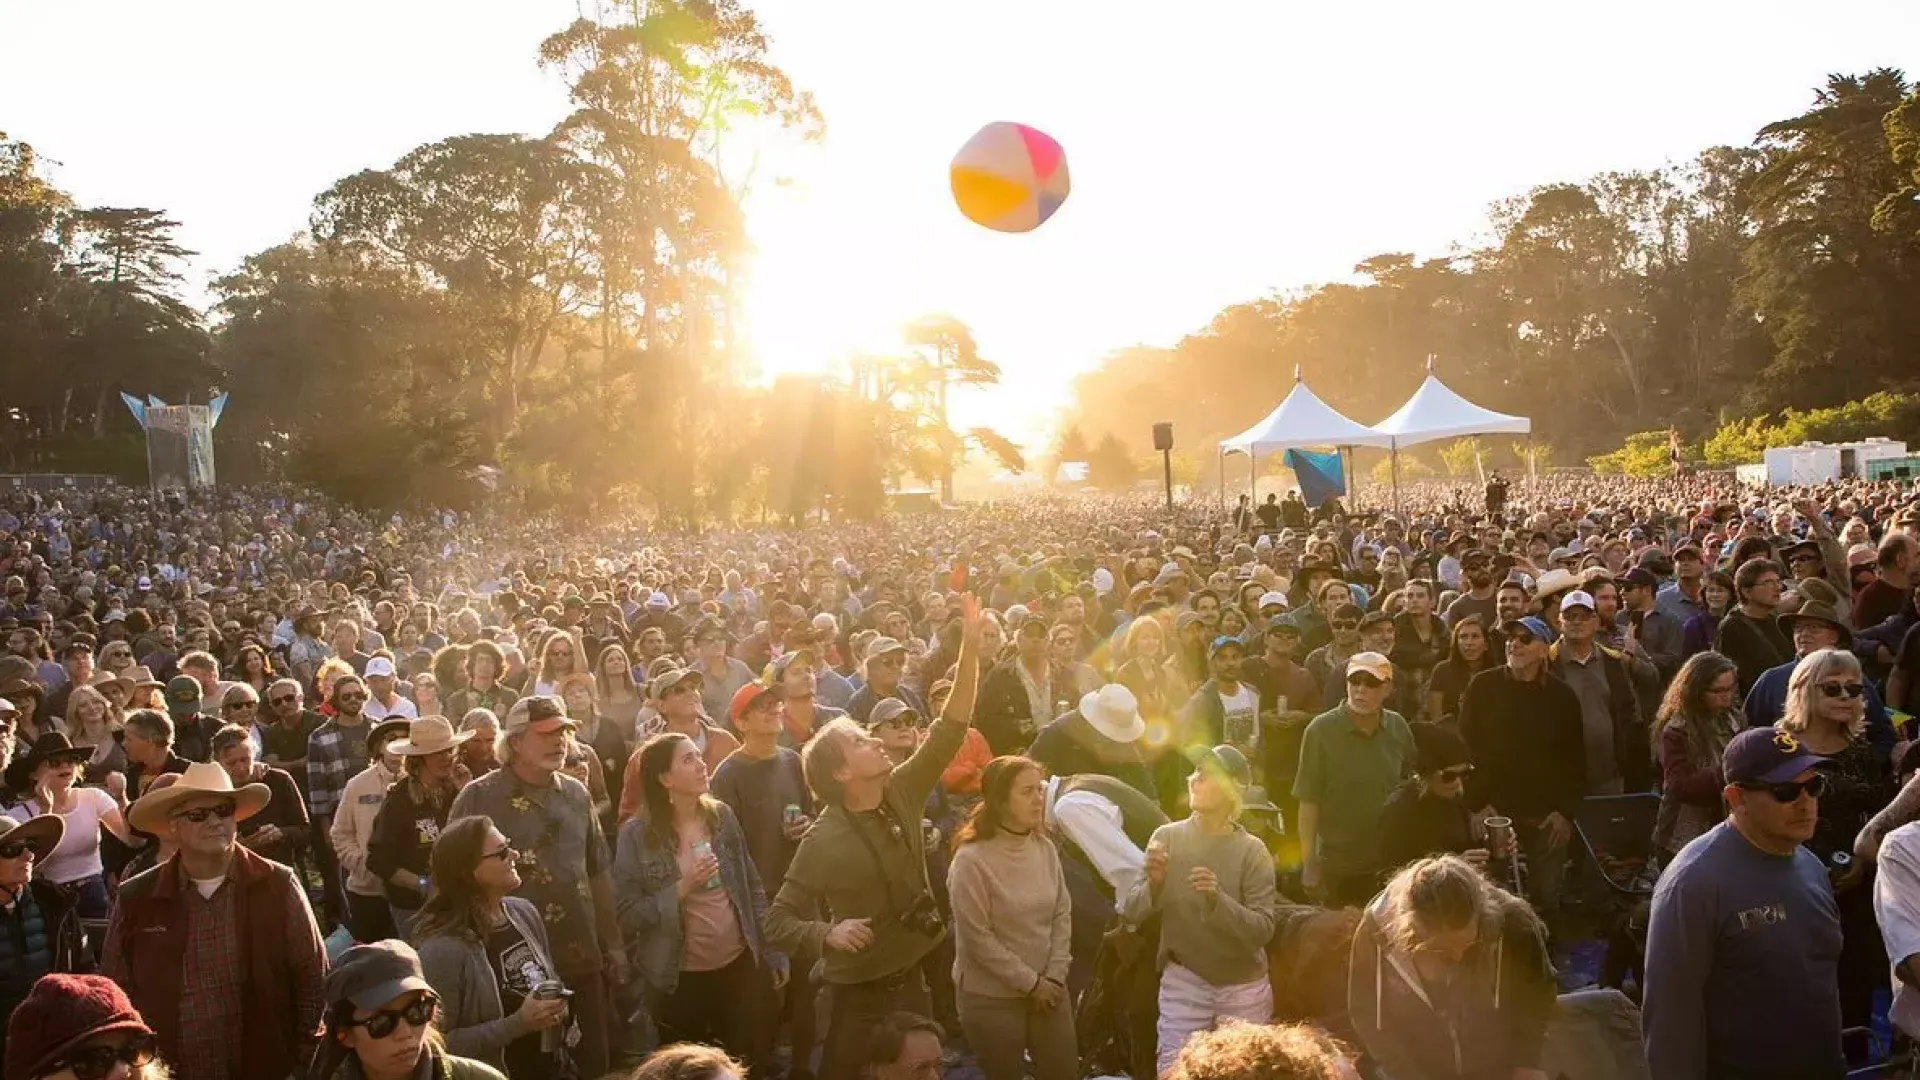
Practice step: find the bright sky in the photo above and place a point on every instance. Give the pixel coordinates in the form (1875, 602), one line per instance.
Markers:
(1219, 149)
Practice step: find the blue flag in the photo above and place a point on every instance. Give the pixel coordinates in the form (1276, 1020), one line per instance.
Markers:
(1320, 475)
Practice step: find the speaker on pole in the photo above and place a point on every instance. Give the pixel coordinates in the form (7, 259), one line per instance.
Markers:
(1163, 436)
(1163, 442)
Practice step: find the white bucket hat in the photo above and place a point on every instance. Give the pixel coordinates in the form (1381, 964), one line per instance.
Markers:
(1114, 712)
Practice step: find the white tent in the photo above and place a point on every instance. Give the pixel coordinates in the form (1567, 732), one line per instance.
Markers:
(1301, 421)
(1435, 412)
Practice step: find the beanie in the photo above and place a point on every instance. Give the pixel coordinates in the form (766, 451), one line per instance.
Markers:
(60, 1013)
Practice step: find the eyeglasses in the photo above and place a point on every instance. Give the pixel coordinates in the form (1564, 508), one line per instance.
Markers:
(241, 706)
(1457, 773)
(1789, 791)
(1344, 624)
(350, 699)
(505, 854)
(417, 1012)
(284, 699)
(13, 850)
(200, 815)
(1847, 690)
(97, 1062)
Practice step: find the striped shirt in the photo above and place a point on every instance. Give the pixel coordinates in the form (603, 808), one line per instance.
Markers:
(335, 754)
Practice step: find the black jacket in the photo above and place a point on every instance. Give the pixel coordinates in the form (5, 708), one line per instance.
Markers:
(1529, 753)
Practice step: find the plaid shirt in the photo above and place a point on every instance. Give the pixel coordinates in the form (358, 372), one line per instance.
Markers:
(335, 755)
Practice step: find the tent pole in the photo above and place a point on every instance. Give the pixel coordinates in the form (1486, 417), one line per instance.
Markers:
(1533, 470)
(1253, 477)
(1394, 451)
(1221, 457)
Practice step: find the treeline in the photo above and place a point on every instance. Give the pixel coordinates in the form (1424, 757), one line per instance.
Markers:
(1748, 280)
(494, 316)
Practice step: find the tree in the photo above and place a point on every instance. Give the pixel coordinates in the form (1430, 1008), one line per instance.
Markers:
(1110, 466)
(1072, 447)
(947, 356)
(1461, 457)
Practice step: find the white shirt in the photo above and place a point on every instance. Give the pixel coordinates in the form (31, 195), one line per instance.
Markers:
(1094, 824)
(1896, 904)
(377, 710)
(1240, 716)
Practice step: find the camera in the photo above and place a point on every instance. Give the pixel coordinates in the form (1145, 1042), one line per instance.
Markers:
(922, 916)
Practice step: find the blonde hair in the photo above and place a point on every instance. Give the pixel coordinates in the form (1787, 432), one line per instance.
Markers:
(1803, 691)
(82, 694)
(1434, 894)
(1237, 1050)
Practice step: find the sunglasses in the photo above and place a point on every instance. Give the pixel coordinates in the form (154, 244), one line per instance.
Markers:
(1847, 690)
(505, 854)
(239, 706)
(285, 698)
(350, 699)
(13, 850)
(1789, 791)
(200, 815)
(1458, 773)
(418, 1013)
(98, 1062)
(1343, 624)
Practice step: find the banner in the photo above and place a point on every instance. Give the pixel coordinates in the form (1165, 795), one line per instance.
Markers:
(179, 446)
(1320, 475)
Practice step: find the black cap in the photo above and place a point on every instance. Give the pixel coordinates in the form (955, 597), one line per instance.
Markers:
(373, 975)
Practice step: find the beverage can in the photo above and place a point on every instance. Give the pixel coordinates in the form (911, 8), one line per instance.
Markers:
(791, 814)
(701, 850)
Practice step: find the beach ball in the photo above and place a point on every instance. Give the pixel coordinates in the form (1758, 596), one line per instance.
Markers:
(1010, 177)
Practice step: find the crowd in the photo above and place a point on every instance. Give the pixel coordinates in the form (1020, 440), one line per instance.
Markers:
(1064, 783)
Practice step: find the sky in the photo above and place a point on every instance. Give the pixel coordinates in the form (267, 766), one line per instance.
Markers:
(1219, 149)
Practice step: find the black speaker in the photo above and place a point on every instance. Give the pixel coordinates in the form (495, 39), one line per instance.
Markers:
(1163, 436)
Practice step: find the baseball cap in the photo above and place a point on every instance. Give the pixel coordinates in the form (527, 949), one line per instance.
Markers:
(667, 680)
(889, 710)
(881, 646)
(778, 670)
(1370, 663)
(183, 695)
(1272, 599)
(379, 666)
(746, 697)
(1532, 625)
(373, 975)
(531, 711)
(1766, 756)
(1577, 598)
(1226, 641)
(1640, 576)
(1230, 764)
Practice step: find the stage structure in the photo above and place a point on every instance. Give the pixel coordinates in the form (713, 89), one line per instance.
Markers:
(179, 440)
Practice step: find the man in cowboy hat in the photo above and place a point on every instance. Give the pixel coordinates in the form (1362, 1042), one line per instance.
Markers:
(1101, 735)
(216, 945)
(1814, 627)
(31, 944)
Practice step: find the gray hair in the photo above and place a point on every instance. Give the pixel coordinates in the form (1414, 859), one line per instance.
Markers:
(151, 725)
(1803, 690)
(273, 690)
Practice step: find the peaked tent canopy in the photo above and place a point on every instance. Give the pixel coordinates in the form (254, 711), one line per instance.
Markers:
(1435, 412)
(1303, 420)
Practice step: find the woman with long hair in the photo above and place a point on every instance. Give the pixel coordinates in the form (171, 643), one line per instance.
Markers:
(686, 889)
(254, 667)
(1826, 711)
(116, 656)
(1698, 716)
(400, 848)
(619, 696)
(1718, 593)
(93, 724)
(1449, 976)
(1145, 672)
(379, 1018)
(426, 693)
(450, 670)
(51, 775)
(484, 950)
(559, 657)
(1469, 653)
(1013, 930)
(689, 1062)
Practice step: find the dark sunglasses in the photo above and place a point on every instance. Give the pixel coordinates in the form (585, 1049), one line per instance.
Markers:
(13, 850)
(236, 706)
(418, 1012)
(1344, 624)
(505, 854)
(97, 1062)
(284, 698)
(350, 699)
(1848, 690)
(200, 815)
(1789, 791)
(1457, 773)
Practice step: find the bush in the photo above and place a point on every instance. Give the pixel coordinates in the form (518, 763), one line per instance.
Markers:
(1741, 442)
(1645, 455)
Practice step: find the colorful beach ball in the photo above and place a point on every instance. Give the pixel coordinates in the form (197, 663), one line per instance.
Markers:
(1010, 177)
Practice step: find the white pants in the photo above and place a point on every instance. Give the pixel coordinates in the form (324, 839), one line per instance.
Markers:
(1190, 1004)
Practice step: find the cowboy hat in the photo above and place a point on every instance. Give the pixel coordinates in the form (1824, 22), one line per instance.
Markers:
(42, 833)
(201, 778)
(1114, 712)
(49, 747)
(1554, 581)
(428, 735)
(1815, 611)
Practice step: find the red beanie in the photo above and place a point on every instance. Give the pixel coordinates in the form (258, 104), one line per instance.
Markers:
(60, 1013)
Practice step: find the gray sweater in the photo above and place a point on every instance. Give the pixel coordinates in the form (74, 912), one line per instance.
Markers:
(1742, 965)
(1224, 941)
(471, 1016)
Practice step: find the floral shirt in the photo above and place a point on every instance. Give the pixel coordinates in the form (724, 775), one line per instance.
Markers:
(562, 849)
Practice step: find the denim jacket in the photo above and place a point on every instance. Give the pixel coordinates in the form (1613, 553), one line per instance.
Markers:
(646, 874)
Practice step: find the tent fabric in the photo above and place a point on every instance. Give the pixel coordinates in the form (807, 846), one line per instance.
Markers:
(1435, 412)
(1319, 474)
(1303, 420)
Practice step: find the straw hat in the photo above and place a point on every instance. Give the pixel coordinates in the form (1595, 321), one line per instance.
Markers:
(1114, 712)
(150, 812)
(428, 735)
(42, 833)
